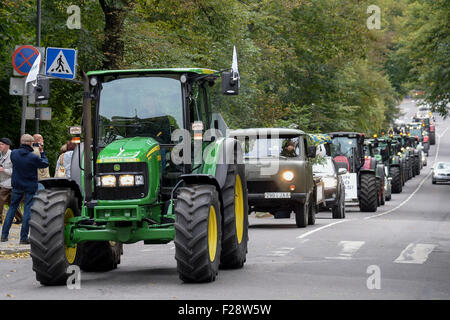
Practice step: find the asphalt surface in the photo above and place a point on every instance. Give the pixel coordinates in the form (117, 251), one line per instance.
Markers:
(400, 252)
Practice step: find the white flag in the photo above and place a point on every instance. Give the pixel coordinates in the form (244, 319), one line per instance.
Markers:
(34, 71)
(234, 67)
(234, 64)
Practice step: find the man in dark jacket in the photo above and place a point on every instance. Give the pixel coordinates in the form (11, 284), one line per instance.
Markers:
(24, 182)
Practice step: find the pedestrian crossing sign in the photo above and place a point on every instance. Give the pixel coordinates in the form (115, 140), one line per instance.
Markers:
(61, 63)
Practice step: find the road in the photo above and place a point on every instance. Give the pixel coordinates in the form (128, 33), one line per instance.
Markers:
(400, 252)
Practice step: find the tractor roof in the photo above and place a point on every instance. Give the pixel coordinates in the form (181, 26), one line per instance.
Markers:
(345, 134)
(266, 131)
(199, 71)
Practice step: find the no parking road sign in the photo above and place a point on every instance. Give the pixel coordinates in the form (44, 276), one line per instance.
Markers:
(23, 58)
(61, 63)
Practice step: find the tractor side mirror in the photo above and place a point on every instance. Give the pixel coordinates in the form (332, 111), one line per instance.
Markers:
(311, 152)
(231, 80)
(230, 84)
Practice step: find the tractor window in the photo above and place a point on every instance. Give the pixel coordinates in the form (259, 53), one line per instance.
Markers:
(343, 146)
(197, 105)
(140, 106)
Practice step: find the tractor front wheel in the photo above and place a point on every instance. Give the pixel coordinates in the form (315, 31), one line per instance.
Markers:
(198, 233)
(51, 211)
(368, 198)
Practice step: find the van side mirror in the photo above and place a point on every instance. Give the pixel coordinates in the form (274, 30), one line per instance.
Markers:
(311, 152)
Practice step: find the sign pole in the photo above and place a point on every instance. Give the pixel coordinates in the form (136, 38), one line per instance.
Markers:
(24, 110)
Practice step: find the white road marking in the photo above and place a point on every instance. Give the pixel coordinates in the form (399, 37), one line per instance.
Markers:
(320, 228)
(349, 248)
(418, 187)
(443, 132)
(281, 252)
(415, 253)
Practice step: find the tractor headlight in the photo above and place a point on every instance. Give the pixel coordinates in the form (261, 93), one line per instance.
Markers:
(126, 180)
(288, 175)
(139, 180)
(108, 181)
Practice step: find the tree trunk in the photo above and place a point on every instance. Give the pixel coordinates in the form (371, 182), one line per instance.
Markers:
(115, 12)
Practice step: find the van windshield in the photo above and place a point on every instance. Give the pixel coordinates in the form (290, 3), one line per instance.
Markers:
(280, 147)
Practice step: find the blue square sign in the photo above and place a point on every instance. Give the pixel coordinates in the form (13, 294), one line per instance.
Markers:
(61, 63)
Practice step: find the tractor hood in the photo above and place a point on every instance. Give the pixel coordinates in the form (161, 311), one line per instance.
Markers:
(136, 149)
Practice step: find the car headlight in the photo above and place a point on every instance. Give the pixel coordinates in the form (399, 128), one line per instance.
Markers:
(287, 175)
(126, 180)
(330, 182)
(108, 181)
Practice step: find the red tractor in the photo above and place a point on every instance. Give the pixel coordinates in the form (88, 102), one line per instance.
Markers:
(361, 184)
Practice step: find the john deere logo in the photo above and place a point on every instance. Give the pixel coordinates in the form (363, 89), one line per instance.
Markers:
(116, 167)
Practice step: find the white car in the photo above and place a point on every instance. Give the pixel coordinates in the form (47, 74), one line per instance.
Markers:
(441, 172)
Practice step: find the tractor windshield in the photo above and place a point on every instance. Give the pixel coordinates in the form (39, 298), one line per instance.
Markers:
(139, 106)
(416, 132)
(343, 146)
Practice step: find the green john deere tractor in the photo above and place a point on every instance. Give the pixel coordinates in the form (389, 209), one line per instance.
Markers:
(151, 171)
(392, 158)
(372, 152)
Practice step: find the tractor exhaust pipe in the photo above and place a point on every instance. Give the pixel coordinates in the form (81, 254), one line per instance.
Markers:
(87, 123)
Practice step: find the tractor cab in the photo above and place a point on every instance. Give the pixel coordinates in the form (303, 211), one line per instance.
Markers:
(142, 117)
(347, 150)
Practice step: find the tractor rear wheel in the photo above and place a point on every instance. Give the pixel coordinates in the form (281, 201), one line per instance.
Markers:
(51, 210)
(417, 165)
(368, 198)
(397, 186)
(235, 219)
(99, 255)
(198, 233)
(433, 138)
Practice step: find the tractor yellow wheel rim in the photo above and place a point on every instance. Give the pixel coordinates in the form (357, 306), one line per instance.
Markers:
(212, 233)
(239, 208)
(70, 252)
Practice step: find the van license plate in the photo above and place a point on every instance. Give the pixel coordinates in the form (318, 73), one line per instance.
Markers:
(277, 195)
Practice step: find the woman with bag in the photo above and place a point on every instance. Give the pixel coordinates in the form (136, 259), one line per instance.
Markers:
(63, 164)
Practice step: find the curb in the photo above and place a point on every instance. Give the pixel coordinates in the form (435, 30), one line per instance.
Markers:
(12, 246)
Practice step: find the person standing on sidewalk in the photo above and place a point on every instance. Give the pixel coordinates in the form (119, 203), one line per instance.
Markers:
(24, 182)
(38, 147)
(5, 178)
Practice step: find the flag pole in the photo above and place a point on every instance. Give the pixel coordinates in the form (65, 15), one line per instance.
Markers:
(38, 44)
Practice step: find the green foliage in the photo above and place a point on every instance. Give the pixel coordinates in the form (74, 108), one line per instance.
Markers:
(424, 51)
(311, 63)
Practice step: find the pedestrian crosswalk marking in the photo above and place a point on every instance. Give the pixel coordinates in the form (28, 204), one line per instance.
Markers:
(281, 252)
(349, 248)
(415, 253)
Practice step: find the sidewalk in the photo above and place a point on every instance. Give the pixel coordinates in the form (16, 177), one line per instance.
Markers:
(12, 245)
